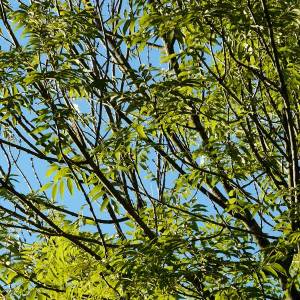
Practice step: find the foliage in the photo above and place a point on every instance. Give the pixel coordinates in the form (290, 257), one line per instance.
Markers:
(150, 149)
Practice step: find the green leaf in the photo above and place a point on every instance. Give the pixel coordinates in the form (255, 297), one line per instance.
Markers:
(104, 204)
(95, 190)
(41, 297)
(45, 187)
(39, 129)
(54, 191)
(70, 185)
(62, 188)
(279, 268)
(10, 276)
(51, 170)
(140, 131)
(117, 155)
(31, 295)
(270, 269)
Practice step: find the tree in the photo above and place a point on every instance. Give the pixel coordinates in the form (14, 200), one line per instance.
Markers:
(170, 134)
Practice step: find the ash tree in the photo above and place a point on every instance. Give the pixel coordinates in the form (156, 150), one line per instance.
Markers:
(149, 149)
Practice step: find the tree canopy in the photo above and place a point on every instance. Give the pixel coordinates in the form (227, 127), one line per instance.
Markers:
(150, 149)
